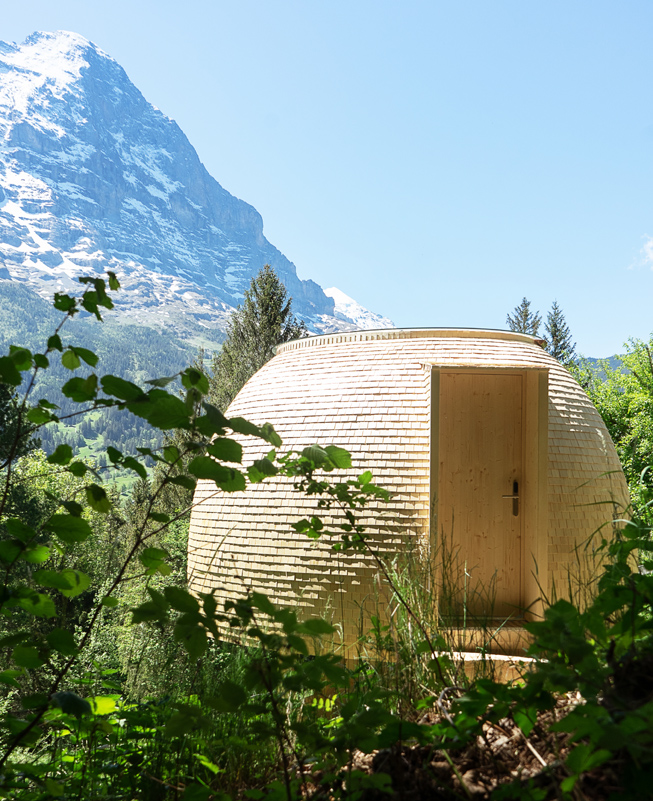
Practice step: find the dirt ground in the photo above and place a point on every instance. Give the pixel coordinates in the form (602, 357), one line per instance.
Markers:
(502, 755)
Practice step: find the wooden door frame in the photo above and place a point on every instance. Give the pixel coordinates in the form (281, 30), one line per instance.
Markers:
(535, 463)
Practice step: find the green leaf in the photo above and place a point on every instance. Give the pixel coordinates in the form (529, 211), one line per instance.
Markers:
(315, 627)
(261, 469)
(62, 641)
(71, 704)
(104, 704)
(21, 357)
(270, 435)
(10, 550)
(230, 697)
(584, 758)
(27, 656)
(227, 478)
(198, 792)
(34, 700)
(162, 382)
(73, 508)
(181, 600)
(39, 416)
(90, 301)
(97, 498)
(41, 361)
(37, 555)
(86, 355)
(114, 283)
(38, 604)
(54, 788)
(193, 638)
(15, 639)
(63, 454)
(70, 359)
(109, 601)
(159, 517)
(161, 410)
(192, 378)
(263, 603)
(153, 557)
(9, 677)
(69, 529)
(63, 303)
(115, 457)
(78, 583)
(171, 453)
(525, 719)
(78, 469)
(315, 454)
(241, 426)
(182, 481)
(54, 343)
(147, 612)
(20, 530)
(227, 450)
(339, 456)
(81, 390)
(120, 388)
(50, 578)
(183, 722)
(8, 372)
(213, 422)
(133, 464)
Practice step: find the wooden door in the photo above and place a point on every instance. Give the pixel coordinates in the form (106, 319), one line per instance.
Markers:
(479, 506)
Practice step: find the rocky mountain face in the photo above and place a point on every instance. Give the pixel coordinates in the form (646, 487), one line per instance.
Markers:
(93, 177)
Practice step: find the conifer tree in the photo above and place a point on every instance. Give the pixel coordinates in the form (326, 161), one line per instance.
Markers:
(558, 340)
(523, 319)
(263, 320)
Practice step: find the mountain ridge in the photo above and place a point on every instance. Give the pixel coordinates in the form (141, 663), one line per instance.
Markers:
(93, 177)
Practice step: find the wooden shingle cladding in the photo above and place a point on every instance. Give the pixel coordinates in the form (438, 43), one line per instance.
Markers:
(377, 394)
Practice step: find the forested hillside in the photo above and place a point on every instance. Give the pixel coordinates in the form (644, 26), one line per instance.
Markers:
(136, 353)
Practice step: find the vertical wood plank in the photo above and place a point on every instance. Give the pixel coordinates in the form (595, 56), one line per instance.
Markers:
(480, 460)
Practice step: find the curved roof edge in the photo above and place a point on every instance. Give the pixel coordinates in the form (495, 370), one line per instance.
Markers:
(406, 333)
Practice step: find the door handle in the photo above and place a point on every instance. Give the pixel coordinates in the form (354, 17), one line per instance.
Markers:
(515, 498)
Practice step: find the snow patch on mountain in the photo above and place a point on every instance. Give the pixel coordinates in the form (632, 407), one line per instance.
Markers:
(348, 310)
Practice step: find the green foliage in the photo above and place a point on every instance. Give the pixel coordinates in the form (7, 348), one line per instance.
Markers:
(523, 319)
(10, 430)
(558, 341)
(263, 321)
(133, 352)
(116, 684)
(623, 396)
(557, 335)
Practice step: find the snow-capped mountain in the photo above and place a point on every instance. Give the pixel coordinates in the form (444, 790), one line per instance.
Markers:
(347, 311)
(93, 177)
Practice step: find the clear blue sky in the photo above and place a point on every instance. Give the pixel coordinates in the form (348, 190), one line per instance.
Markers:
(437, 161)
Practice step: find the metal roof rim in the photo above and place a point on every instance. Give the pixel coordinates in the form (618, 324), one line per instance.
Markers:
(363, 335)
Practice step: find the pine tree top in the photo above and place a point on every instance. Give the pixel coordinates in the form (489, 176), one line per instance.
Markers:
(558, 341)
(523, 319)
(263, 321)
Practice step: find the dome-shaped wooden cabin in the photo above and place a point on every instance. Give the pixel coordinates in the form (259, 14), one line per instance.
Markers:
(485, 442)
